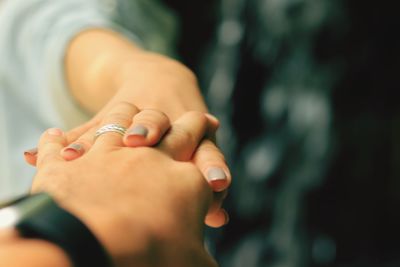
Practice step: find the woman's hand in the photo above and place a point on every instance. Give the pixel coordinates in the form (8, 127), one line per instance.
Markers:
(103, 69)
(156, 125)
(146, 207)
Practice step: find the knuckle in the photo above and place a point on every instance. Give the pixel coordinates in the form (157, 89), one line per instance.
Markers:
(118, 117)
(152, 118)
(210, 150)
(182, 135)
(139, 157)
(158, 113)
(208, 145)
(125, 105)
(121, 111)
(198, 116)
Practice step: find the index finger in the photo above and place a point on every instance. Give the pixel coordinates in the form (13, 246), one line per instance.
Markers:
(185, 135)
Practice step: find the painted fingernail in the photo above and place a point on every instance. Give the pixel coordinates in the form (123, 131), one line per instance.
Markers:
(74, 150)
(31, 152)
(216, 174)
(138, 130)
(217, 177)
(55, 132)
(75, 147)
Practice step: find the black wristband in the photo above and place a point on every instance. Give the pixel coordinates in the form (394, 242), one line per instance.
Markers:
(53, 223)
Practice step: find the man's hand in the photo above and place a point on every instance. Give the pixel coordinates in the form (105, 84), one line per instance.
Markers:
(145, 206)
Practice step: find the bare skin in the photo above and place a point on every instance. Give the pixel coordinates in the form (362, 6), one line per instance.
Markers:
(104, 68)
(146, 207)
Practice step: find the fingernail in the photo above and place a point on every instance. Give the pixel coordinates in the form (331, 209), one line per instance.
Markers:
(216, 174)
(31, 152)
(74, 149)
(138, 130)
(212, 117)
(217, 178)
(55, 132)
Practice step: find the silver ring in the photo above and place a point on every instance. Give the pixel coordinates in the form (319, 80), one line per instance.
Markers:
(114, 128)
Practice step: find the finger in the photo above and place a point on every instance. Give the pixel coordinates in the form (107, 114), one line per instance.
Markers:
(80, 145)
(218, 199)
(184, 136)
(217, 219)
(147, 129)
(78, 148)
(73, 151)
(120, 115)
(50, 144)
(211, 162)
(77, 132)
(80, 139)
(213, 126)
(85, 141)
(30, 156)
(213, 218)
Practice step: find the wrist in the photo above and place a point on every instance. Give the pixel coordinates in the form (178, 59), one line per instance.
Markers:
(90, 58)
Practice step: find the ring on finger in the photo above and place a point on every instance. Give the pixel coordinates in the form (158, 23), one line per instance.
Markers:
(110, 128)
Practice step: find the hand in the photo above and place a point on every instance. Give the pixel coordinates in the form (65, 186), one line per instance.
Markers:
(103, 68)
(158, 124)
(145, 207)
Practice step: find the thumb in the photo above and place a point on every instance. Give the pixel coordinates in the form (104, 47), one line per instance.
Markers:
(50, 144)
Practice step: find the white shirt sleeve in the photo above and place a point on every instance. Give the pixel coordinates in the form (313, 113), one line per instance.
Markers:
(33, 39)
(34, 35)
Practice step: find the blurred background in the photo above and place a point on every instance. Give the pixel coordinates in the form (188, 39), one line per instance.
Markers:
(306, 91)
(307, 94)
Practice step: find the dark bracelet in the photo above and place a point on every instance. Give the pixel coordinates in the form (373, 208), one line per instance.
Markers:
(41, 217)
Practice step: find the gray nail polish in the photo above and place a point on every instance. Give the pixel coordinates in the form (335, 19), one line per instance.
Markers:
(31, 152)
(138, 130)
(76, 147)
(215, 174)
